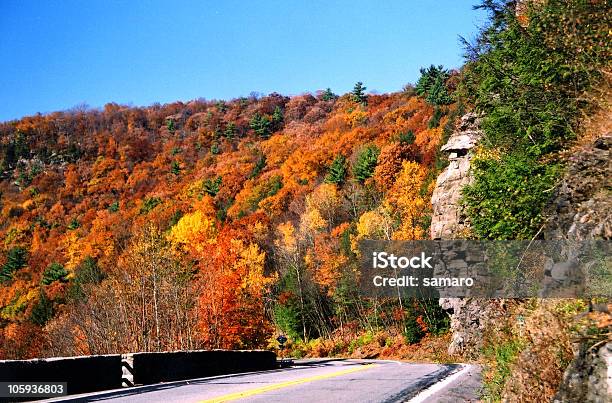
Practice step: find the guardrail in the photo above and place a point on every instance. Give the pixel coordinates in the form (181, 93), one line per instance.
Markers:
(103, 372)
(148, 368)
(82, 374)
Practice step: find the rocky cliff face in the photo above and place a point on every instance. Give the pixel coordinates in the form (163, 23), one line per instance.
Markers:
(582, 205)
(587, 379)
(449, 221)
(582, 209)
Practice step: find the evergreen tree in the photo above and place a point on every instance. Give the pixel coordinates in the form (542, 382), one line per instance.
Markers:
(73, 224)
(337, 171)
(431, 85)
(170, 125)
(55, 272)
(114, 207)
(176, 168)
(277, 119)
(529, 81)
(328, 95)
(261, 125)
(42, 310)
(230, 130)
(358, 95)
(259, 166)
(438, 94)
(365, 164)
(88, 272)
(212, 187)
(407, 138)
(15, 260)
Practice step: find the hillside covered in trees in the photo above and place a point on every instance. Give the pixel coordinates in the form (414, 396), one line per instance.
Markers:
(208, 223)
(220, 224)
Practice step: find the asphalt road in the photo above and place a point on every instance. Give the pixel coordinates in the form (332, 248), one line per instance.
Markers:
(334, 380)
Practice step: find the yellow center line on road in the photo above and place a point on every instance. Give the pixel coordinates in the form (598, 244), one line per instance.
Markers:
(263, 389)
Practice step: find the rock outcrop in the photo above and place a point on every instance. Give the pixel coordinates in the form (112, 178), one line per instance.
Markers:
(582, 206)
(587, 378)
(582, 209)
(449, 219)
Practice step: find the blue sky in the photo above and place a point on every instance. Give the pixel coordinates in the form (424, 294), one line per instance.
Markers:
(59, 53)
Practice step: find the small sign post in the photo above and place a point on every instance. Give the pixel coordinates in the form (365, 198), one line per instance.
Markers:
(281, 343)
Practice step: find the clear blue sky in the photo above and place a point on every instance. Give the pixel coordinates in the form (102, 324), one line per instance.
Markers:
(59, 53)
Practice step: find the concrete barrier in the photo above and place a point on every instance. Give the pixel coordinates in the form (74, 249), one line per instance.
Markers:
(103, 372)
(148, 368)
(82, 374)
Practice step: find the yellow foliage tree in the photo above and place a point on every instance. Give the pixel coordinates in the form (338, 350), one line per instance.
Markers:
(194, 231)
(406, 200)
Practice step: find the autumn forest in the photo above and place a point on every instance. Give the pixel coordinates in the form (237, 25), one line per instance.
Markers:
(209, 224)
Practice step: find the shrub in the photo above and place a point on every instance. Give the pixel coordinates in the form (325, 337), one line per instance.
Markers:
(507, 197)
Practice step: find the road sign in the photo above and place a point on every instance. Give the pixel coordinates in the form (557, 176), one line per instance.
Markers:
(281, 339)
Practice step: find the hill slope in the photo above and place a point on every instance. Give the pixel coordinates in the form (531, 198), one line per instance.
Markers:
(200, 224)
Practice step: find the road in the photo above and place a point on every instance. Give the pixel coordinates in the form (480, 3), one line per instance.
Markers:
(332, 380)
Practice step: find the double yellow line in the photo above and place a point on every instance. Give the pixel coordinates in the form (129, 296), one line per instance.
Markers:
(263, 389)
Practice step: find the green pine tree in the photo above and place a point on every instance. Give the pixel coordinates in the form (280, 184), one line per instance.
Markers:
(42, 310)
(16, 259)
(277, 119)
(328, 95)
(170, 125)
(88, 272)
(55, 272)
(365, 163)
(176, 168)
(261, 125)
(337, 171)
(431, 85)
(259, 166)
(358, 94)
(230, 130)
(407, 138)
(212, 186)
